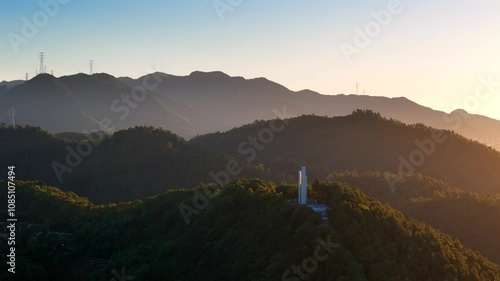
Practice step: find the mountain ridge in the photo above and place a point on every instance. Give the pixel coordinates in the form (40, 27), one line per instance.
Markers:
(366, 141)
(200, 96)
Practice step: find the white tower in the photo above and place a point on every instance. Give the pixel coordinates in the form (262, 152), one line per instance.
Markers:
(299, 189)
(302, 187)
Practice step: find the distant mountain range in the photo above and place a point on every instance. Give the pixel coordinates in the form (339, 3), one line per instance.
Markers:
(6, 85)
(204, 102)
(10, 84)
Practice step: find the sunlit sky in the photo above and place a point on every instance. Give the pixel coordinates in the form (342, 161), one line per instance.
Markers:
(433, 52)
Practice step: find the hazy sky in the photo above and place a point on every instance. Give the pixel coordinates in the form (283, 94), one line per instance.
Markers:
(433, 52)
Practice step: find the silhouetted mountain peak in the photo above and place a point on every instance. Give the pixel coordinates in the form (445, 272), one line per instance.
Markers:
(266, 85)
(158, 73)
(308, 92)
(108, 79)
(80, 75)
(155, 75)
(213, 75)
(43, 86)
(103, 76)
(148, 132)
(41, 81)
(94, 81)
(401, 99)
(460, 112)
(42, 78)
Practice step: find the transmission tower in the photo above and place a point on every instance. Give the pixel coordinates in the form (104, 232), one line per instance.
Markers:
(42, 63)
(357, 88)
(12, 113)
(91, 64)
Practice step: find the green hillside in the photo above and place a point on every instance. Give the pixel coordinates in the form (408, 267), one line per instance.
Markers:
(130, 164)
(470, 217)
(365, 141)
(144, 161)
(246, 232)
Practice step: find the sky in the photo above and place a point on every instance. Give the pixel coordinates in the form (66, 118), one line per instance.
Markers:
(436, 53)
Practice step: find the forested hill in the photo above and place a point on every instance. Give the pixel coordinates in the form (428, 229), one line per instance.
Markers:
(470, 217)
(246, 232)
(144, 161)
(365, 141)
(130, 164)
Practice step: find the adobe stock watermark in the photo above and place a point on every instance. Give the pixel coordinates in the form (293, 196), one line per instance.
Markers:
(250, 148)
(310, 264)
(416, 158)
(486, 89)
(224, 6)
(122, 108)
(371, 30)
(123, 276)
(40, 19)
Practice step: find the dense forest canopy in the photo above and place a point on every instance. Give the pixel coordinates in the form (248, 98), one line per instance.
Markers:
(365, 141)
(247, 232)
(468, 216)
(130, 164)
(131, 200)
(100, 166)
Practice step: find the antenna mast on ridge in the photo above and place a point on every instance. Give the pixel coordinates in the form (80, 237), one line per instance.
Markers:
(42, 63)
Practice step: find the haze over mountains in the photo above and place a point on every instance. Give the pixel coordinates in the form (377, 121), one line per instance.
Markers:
(204, 102)
(9, 84)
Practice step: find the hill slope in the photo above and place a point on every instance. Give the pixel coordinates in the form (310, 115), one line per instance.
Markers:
(247, 232)
(84, 103)
(130, 164)
(472, 218)
(144, 161)
(364, 141)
